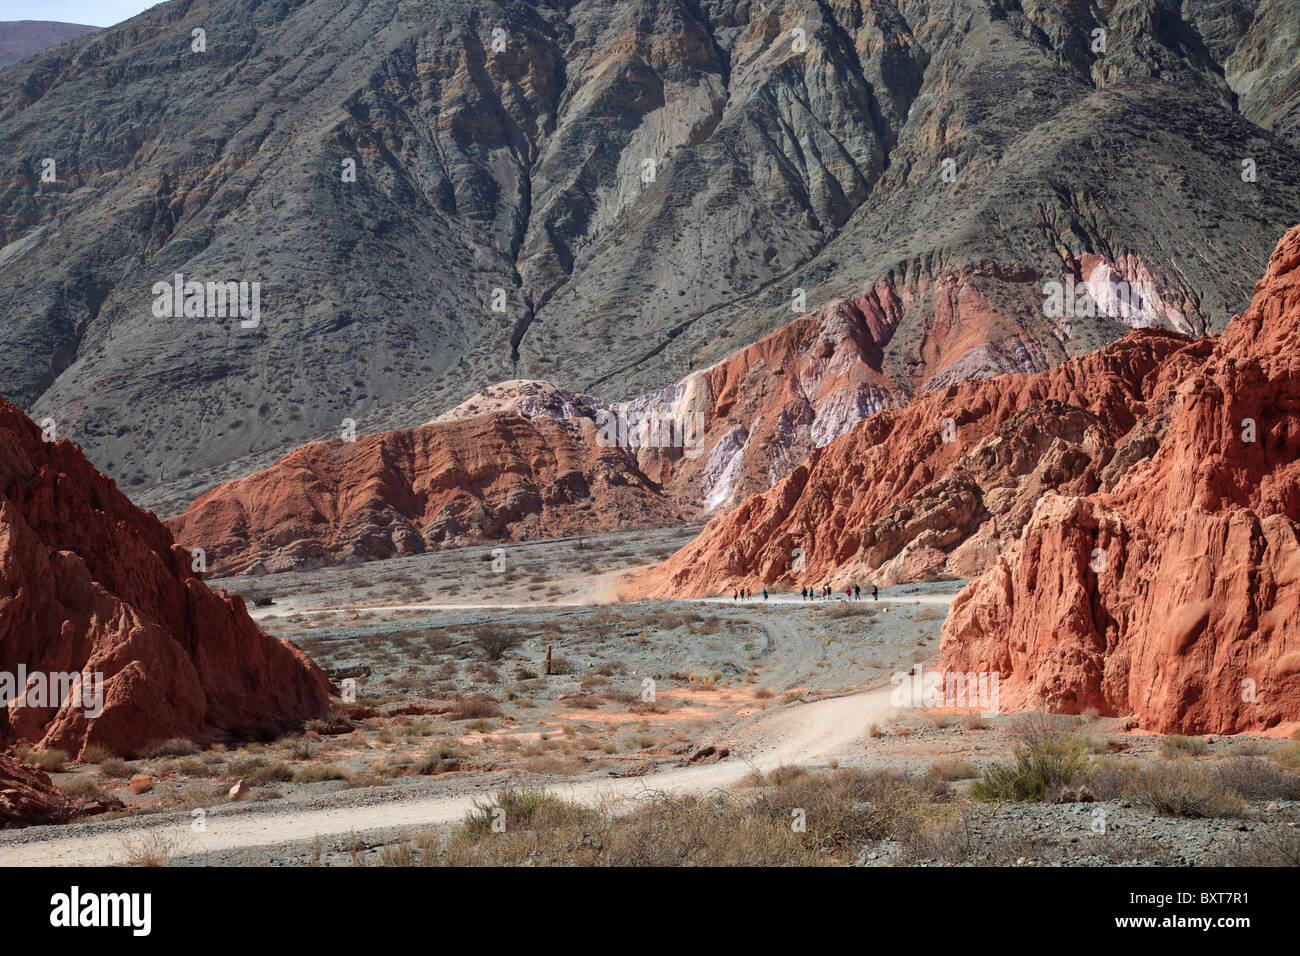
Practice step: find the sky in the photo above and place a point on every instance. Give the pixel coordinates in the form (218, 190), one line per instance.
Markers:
(96, 13)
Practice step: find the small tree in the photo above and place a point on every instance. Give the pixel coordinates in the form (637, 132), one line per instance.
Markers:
(494, 644)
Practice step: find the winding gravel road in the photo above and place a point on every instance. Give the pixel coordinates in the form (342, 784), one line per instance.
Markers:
(800, 733)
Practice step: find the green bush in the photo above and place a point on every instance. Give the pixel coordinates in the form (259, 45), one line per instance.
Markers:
(1039, 772)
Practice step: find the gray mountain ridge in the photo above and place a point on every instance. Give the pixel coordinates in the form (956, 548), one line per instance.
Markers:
(523, 169)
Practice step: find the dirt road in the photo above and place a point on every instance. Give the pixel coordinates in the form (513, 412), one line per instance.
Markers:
(287, 608)
(799, 733)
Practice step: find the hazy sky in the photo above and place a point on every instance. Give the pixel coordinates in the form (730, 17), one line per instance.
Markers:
(97, 13)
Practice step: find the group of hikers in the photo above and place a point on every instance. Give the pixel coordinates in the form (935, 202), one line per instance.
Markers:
(852, 592)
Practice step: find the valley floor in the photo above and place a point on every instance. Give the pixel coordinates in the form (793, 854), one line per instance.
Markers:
(707, 703)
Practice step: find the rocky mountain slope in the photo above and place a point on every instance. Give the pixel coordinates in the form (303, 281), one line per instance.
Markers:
(937, 487)
(639, 187)
(529, 459)
(493, 475)
(106, 634)
(1174, 595)
(20, 39)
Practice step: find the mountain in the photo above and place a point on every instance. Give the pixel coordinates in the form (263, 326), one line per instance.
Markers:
(1175, 595)
(529, 459)
(95, 595)
(474, 476)
(937, 487)
(650, 184)
(19, 39)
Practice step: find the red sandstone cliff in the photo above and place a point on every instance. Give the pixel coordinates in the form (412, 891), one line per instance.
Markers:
(1174, 596)
(940, 485)
(89, 584)
(471, 476)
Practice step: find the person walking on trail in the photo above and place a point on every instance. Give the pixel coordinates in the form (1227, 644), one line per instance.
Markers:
(857, 592)
(764, 594)
(875, 594)
(735, 594)
(803, 594)
(848, 592)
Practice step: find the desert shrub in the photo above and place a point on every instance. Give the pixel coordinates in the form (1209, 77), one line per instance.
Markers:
(523, 808)
(1255, 778)
(1173, 746)
(494, 643)
(82, 787)
(1249, 748)
(474, 708)
(841, 808)
(1038, 772)
(152, 848)
(1269, 845)
(944, 833)
(175, 747)
(52, 759)
(1184, 789)
(1288, 755)
(1112, 777)
(114, 768)
(96, 753)
(319, 773)
(276, 772)
(952, 770)
(1031, 729)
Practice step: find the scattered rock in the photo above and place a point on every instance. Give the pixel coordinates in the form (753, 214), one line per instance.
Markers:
(28, 797)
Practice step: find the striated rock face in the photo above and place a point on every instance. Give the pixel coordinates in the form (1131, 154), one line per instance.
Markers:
(529, 459)
(938, 486)
(472, 475)
(1174, 595)
(93, 590)
(28, 797)
(958, 153)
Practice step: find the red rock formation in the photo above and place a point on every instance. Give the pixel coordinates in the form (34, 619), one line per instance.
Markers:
(471, 476)
(494, 467)
(90, 585)
(937, 486)
(523, 459)
(1176, 595)
(28, 798)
